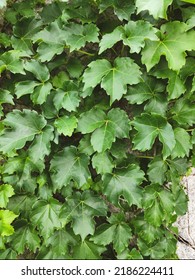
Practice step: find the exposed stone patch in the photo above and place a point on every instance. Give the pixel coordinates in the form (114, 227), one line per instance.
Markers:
(186, 223)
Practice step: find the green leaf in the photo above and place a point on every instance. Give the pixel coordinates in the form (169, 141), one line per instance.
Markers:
(156, 9)
(175, 87)
(24, 125)
(67, 98)
(25, 237)
(11, 61)
(122, 9)
(156, 170)
(25, 87)
(60, 242)
(149, 126)
(183, 145)
(91, 120)
(6, 191)
(145, 90)
(6, 218)
(134, 254)
(136, 33)
(147, 231)
(45, 216)
(184, 112)
(114, 79)
(77, 35)
(117, 231)
(69, 165)
(19, 170)
(66, 125)
(110, 39)
(102, 163)
(124, 182)
(23, 32)
(106, 128)
(40, 71)
(51, 41)
(175, 41)
(80, 209)
(158, 204)
(5, 97)
(87, 250)
(41, 145)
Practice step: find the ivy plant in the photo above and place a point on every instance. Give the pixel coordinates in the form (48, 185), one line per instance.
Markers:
(97, 127)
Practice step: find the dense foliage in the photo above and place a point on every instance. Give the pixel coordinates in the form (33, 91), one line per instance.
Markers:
(97, 115)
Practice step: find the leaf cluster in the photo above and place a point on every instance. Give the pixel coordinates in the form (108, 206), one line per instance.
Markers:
(97, 127)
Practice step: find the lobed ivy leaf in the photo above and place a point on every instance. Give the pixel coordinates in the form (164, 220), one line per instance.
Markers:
(6, 218)
(156, 9)
(184, 112)
(45, 216)
(66, 125)
(105, 128)
(60, 242)
(23, 126)
(77, 35)
(23, 32)
(12, 62)
(174, 41)
(25, 237)
(87, 250)
(114, 79)
(183, 145)
(117, 231)
(81, 209)
(122, 9)
(5, 97)
(124, 183)
(156, 170)
(51, 41)
(6, 191)
(69, 165)
(149, 126)
(102, 163)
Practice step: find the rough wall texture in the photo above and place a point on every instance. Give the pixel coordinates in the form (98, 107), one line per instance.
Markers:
(186, 223)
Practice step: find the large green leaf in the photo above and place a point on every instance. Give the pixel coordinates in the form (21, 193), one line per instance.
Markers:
(45, 216)
(102, 162)
(156, 170)
(25, 237)
(6, 218)
(87, 250)
(24, 125)
(132, 34)
(156, 8)
(149, 126)
(59, 243)
(105, 128)
(6, 191)
(174, 41)
(23, 32)
(11, 61)
(69, 165)
(51, 41)
(117, 231)
(122, 9)
(80, 209)
(114, 79)
(77, 35)
(124, 183)
(184, 112)
(66, 125)
(183, 145)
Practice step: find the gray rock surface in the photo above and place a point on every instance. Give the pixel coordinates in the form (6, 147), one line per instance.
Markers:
(186, 223)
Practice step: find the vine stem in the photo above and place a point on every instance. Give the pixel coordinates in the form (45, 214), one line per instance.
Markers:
(150, 157)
